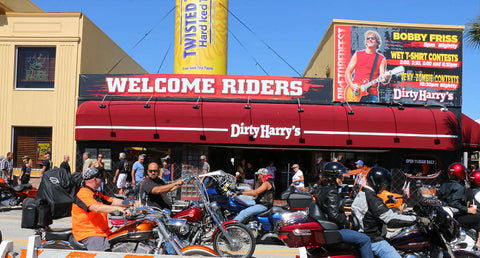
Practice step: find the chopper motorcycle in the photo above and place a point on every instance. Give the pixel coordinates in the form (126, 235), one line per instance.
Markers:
(147, 234)
(228, 238)
(205, 225)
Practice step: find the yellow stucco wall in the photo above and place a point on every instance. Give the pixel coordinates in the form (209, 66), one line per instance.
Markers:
(19, 6)
(80, 48)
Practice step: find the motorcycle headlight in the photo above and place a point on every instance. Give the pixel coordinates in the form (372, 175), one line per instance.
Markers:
(215, 206)
(177, 225)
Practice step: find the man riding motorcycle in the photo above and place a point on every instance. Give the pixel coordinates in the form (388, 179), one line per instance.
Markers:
(374, 215)
(89, 212)
(452, 194)
(330, 204)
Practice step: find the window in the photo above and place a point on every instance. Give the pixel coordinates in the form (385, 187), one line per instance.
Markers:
(35, 67)
(33, 142)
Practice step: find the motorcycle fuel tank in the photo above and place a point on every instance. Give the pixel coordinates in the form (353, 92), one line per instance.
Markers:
(135, 231)
(410, 238)
(192, 214)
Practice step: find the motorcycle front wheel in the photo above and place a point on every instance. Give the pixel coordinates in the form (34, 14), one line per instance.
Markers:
(244, 245)
(198, 250)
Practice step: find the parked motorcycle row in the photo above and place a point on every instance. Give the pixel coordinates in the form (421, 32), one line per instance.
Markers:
(208, 222)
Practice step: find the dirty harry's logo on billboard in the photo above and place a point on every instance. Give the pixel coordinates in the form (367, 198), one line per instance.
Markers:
(404, 65)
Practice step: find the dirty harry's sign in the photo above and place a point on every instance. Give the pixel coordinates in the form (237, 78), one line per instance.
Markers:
(176, 86)
(426, 65)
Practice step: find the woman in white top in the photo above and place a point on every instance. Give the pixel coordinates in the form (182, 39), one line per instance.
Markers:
(297, 179)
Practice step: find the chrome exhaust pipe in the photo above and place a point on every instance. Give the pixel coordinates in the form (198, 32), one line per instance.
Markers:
(268, 235)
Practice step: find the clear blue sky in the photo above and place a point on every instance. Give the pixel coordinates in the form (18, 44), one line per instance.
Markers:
(293, 28)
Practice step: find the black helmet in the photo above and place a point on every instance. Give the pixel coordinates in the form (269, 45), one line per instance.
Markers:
(379, 178)
(333, 170)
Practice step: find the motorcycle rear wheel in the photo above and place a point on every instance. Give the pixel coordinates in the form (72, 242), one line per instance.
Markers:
(239, 233)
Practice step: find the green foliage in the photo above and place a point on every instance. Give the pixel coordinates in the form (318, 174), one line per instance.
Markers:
(473, 33)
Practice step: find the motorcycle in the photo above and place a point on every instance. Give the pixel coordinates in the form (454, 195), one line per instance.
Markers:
(262, 225)
(147, 234)
(14, 196)
(228, 238)
(322, 239)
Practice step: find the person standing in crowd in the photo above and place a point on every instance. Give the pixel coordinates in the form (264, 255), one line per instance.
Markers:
(271, 169)
(87, 161)
(165, 173)
(47, 163)
(361, 172)
(298, 179)
(26, 170)
(6, 166)
(138, 170)
(249, 174)
(204, 164)
(241, 170)
(100, 165)
(121, 173)
(65, 164)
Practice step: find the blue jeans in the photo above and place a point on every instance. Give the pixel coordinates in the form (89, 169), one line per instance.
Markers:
(250, 211)
(383, 249)
(354, 237)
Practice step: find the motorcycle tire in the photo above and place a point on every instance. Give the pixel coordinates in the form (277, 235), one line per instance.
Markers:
(464, 254)
(198, 250)
(238, 232)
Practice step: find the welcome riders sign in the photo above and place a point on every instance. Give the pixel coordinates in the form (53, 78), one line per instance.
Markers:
(215, 87)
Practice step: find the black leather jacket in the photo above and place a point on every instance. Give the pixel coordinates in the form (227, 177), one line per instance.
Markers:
(331, 205)
(452, 193)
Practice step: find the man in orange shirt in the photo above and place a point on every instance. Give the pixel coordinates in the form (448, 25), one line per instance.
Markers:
(361, 172)
(90, 210)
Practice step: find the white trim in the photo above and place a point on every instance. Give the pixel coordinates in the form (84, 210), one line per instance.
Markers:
(154, 128)
(381, 134)
(226, 130)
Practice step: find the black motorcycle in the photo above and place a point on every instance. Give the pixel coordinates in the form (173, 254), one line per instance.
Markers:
(433, 240)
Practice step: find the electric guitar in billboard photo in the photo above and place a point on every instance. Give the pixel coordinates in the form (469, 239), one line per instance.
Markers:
(352, 95)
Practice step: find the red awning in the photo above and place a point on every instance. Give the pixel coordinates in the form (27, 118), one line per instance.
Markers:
(266, 124)
(470, 132)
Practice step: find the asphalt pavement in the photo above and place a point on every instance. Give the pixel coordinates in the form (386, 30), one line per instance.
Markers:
(10, 221)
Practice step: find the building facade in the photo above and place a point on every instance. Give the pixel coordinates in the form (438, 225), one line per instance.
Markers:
(43, 55)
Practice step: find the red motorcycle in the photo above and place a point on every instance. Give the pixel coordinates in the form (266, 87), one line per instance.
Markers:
(13, 196)
(321, 238)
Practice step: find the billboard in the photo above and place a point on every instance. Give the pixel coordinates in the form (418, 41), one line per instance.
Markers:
(398, 65)
(216, 87)
(201, 37)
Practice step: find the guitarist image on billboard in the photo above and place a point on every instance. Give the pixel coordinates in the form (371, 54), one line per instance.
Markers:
(368, 68)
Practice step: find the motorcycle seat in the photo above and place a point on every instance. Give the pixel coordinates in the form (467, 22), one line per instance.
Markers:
(265, 213)
(58, 234)
(327, 225)
(20, 188)
(278, 209)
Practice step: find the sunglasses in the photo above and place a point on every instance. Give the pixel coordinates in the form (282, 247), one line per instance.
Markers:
(372, 38)
(153, 171)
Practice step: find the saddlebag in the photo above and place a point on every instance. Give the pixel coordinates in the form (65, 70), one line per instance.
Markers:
(35, 213)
